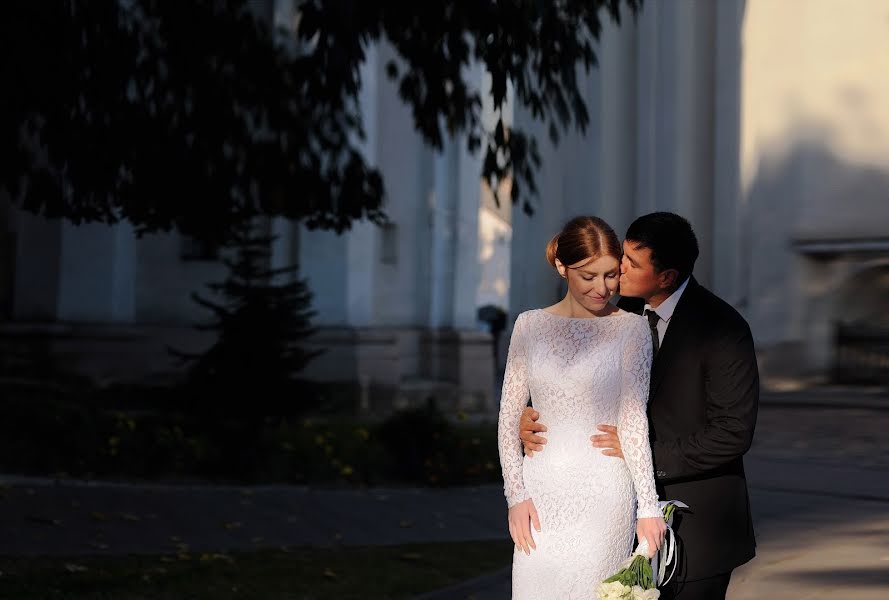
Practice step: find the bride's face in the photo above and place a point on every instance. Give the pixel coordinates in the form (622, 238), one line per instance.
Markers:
(592, 282)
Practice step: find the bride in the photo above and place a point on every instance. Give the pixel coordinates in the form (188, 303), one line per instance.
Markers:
(582, 361)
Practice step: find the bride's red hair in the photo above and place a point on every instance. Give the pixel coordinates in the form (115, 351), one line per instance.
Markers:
(583, 238)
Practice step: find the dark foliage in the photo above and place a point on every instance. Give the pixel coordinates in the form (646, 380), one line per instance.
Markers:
(195, 114)
(92, 435)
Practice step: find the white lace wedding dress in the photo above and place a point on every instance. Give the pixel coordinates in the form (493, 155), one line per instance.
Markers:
(578, 373)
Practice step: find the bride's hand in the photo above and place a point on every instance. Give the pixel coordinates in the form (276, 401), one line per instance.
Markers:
(521, 517)
(652, 529)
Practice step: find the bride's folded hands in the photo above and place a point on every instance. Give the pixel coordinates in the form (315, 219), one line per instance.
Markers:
(652, 529)
(521, 517)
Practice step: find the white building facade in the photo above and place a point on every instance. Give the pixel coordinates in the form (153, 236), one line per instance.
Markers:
(759, 121)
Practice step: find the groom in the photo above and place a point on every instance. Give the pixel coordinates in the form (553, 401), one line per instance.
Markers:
(702, 404)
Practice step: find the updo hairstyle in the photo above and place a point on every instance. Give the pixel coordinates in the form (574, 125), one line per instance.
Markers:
(583, 238)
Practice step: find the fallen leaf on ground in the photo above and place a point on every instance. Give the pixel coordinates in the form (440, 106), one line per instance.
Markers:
(73, 568)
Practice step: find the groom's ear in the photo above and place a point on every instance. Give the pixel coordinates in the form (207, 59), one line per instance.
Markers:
(667, 278)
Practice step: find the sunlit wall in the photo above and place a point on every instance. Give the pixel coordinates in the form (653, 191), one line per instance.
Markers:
(814, 165)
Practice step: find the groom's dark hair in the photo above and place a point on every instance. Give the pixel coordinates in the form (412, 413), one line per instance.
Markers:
(671, 240)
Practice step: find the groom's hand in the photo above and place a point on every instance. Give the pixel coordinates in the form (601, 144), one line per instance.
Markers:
(608, 441)
(528, 429)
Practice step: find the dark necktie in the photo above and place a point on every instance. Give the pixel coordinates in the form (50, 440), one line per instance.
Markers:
(652, 324)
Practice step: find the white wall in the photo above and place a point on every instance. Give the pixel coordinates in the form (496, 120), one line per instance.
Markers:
(815, 145)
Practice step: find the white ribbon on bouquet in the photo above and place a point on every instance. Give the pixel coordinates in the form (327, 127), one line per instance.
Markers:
(667, 553)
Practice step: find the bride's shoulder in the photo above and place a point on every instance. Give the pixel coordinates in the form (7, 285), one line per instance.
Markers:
(535, 318)
(635, 326)
(629, 316)
(629, 320)
(527, 315)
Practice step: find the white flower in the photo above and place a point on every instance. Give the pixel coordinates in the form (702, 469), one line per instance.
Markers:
(602, 592)
(613, 591)
(642, 594)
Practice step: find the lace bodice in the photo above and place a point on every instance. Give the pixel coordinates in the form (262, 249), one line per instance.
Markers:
(578, 373)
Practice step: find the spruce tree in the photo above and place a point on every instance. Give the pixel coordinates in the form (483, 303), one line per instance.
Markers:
(262, 320)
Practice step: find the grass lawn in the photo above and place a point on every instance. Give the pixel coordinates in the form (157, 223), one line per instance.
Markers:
(301, 573)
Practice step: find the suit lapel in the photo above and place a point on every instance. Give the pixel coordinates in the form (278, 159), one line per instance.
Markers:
(676, 333)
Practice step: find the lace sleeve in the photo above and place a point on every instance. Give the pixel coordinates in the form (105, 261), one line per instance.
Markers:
(632, 424)
(513, 400)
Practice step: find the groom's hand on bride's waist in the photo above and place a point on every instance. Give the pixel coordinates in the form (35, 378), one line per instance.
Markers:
(528, 430)
(608, 441)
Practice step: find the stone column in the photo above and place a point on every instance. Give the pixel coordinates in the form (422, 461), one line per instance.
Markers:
(692, 145)
(729, 206)
(466, 267)
(361, 240)
(37, 265)
(648, 85)
(96, 274)
(123, 274)
(444, 236)
(618, 65)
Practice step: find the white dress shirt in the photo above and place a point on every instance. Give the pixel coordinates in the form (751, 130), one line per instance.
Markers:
(665, 310)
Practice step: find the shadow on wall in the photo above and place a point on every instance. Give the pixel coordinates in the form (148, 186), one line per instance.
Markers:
(808, 214)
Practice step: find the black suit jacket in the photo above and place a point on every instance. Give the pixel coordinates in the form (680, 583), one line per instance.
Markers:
(702, 412)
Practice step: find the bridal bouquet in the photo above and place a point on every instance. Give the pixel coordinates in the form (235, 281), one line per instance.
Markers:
(639, 577)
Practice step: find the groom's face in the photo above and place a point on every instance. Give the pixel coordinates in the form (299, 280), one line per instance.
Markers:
(638, 277)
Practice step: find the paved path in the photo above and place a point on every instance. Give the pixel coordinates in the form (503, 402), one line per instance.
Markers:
(68, 519)
(819, 484)
(812, 543)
